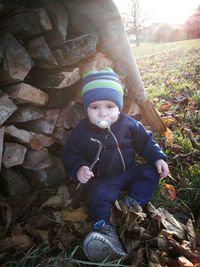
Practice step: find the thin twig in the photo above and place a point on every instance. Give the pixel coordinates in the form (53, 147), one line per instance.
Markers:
(98, 152)
(96, 158)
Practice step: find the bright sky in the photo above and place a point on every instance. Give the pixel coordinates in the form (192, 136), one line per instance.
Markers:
(169, 11)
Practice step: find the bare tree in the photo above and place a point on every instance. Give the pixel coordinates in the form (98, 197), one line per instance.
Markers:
(134, 19)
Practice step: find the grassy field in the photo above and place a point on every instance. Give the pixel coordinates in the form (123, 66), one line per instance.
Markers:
(168, 67)
(149, 49)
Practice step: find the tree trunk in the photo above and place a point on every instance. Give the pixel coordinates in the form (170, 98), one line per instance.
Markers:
(137, 38)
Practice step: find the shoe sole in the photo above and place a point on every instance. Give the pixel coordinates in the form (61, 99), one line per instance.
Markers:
(97, 248)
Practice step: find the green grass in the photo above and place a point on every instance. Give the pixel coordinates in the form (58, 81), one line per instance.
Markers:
(168, 68)
(40, 257)
(196, 117)
(183, 141)
(149, 49)
(196, 96)
(155, 92)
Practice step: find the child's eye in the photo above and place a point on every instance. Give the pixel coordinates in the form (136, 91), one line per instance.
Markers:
(93, 107)
(110, 106)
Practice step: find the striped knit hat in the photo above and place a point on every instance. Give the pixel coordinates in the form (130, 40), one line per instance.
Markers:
(102, 85)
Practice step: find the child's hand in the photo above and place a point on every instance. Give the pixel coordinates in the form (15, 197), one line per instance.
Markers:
(162, 168)
(84, 174)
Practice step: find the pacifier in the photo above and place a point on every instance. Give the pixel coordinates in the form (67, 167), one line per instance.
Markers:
(103, 124)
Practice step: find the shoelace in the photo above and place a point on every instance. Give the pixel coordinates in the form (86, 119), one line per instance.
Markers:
(107, 230)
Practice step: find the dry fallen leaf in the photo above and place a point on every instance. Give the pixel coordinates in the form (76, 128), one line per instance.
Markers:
(163, 240)
(54, 201)
(18, 242)
(170, 223)
(77, 215)
(170, 191)
(41, 235)
(130, 215)
(183, 262)
(169, 120)
(185, 251)
(191, 234)
(169, 138)
(63, 193)
(164, 107)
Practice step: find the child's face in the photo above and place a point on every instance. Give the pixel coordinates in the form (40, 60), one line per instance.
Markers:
(103, 110)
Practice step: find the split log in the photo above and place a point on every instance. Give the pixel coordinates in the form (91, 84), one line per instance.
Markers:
(56, 78)
(59, 19)
(74, 50)
(55, 174)
(61, 135)
(9, 9)
(25, 93)
(27, 25)
(15, 62)
(59, 98)
(52, 114)
(7, 108)
(33, 140)
(40, 126)
(37, 160)
(14, 184)
(70, 115)
(98, 61)
(13, 154)
(40, 52)
(44, 125)
(25, 114)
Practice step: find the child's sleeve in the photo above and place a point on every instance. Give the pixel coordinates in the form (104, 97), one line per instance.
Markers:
(73, 155)
(145, 145)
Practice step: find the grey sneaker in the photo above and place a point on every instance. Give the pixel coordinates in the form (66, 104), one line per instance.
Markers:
(103, 244)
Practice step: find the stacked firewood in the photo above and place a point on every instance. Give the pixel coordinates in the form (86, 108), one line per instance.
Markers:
(40, 70)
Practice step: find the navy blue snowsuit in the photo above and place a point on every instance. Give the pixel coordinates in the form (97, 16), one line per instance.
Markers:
(110, 177)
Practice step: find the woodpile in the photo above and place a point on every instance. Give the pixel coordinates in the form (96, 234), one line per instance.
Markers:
(40, 69)
(39, 93)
